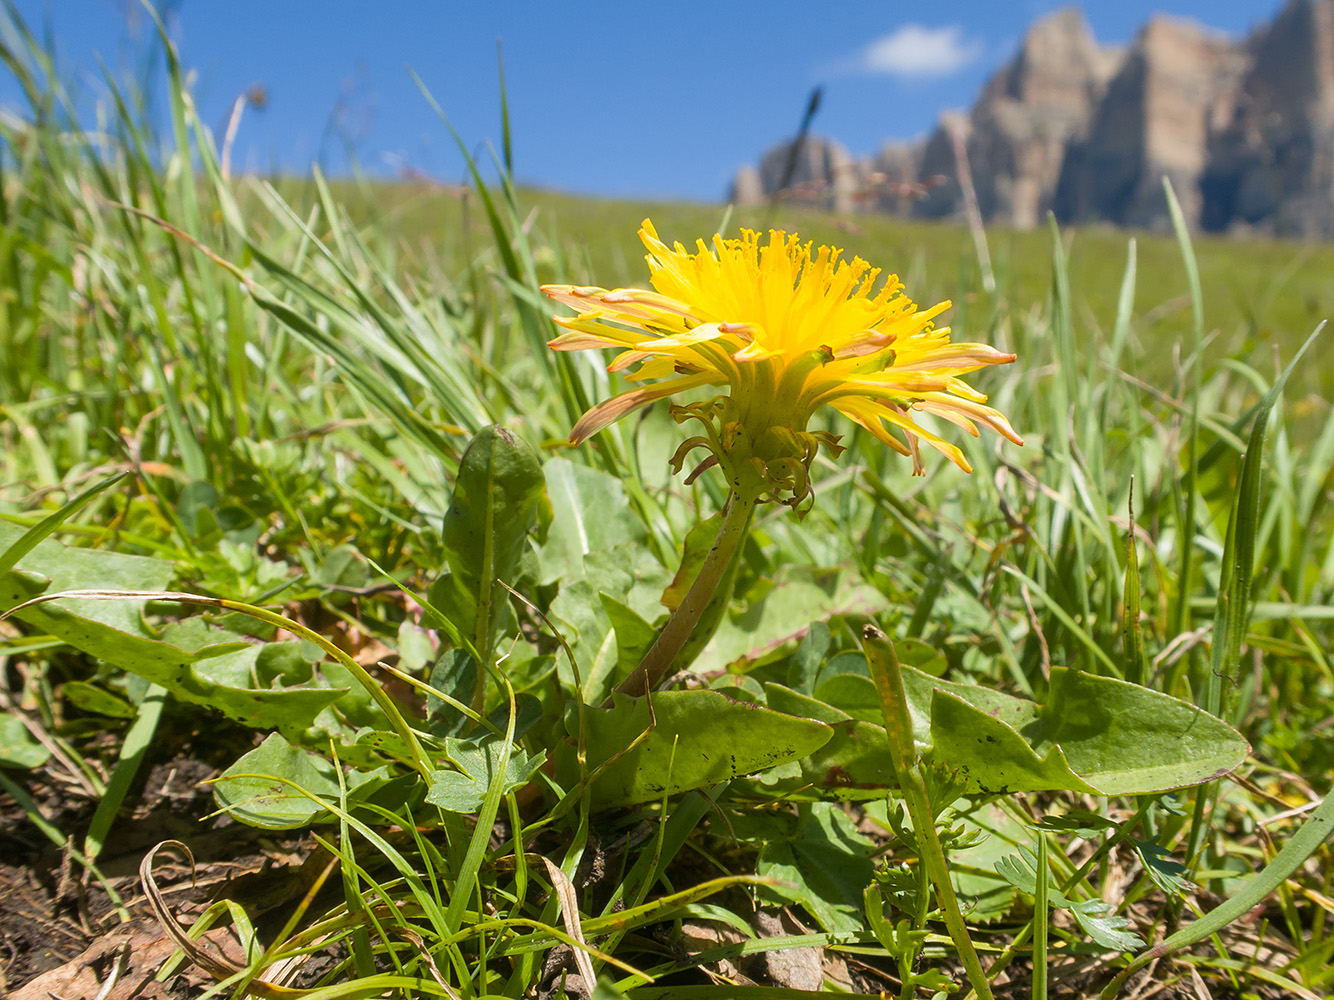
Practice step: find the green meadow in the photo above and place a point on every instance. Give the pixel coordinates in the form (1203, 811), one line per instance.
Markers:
(296, 452)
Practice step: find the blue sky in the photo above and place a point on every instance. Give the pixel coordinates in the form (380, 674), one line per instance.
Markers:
(654, 100)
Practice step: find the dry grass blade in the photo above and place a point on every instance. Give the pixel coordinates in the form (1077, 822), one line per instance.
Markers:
(569, 915)
(118, 968)
(416, 940)
(216, 966)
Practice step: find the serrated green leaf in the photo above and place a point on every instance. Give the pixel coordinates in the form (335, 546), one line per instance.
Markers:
(196, 663)
(1094, 734)
(1093, 915)
(1168, 875)
(1078, 823)
(701, 738)
(823, 863)
(479, 766)
(1104, 927)
(1019, 872)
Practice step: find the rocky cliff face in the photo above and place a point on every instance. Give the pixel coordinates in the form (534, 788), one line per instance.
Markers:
(1243, 129)
(1018, 132)
(1273, 166)
(1174, 91)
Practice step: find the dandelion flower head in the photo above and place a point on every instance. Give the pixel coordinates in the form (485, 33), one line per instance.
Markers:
(789, 328)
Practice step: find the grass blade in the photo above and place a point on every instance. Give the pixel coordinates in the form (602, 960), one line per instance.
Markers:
(31, 538)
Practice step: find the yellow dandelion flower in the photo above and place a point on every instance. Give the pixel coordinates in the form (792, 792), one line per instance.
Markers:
(789, 329)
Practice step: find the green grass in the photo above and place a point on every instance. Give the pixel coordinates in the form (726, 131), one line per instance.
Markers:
(290, 373)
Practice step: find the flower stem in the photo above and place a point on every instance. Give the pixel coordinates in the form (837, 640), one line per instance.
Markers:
(659, 659)
(884, 664)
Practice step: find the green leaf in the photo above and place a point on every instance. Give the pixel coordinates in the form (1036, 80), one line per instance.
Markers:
(853, 764)
(799, 596)
(971, 868)
(133, 752)
(1079, 823)
(853, 694)
(342, 567)
(486, 529)
(1233, 611)
(1021, 872)
(17, 746)
(924, 656)
(808, 658)
(698, 541)
(289, 710)
(991, 754)
(98, 701)
(589, 513)
(1104, 927)
(1093, 915)
(1168, 875)
(196, 663)
(1132, 636)
(455, 675)
(1094, 734)
(634, 636)
(196, 509)
(819, 857)
(479, 766)
(51, 565)
(254, 790)
(701, 738)
(1314, 831)
(630, 576)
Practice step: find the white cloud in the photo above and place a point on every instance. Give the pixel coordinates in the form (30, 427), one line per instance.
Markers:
(918, 52)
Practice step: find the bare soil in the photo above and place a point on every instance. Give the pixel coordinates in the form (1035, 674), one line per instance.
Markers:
(62, 932)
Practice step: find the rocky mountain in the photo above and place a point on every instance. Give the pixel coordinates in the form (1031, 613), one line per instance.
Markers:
(1027, 117)
(1243, 128)
(1272, 166)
